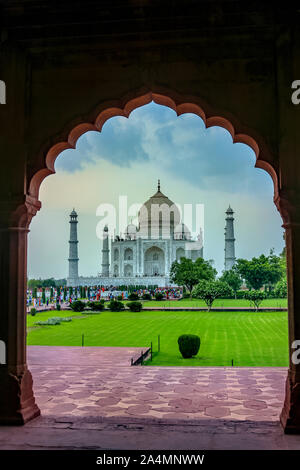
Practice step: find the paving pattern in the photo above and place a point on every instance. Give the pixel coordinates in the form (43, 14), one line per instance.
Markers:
(93, 382)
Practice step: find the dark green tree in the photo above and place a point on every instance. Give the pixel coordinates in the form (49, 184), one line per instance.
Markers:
(209, 291)
(261, 271)
(281, 289)
(43, 295)
(255, 297)
(233, 279)
(188, 273)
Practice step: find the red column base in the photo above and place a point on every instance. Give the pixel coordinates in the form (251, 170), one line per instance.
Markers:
(290, 415)
(17, 402)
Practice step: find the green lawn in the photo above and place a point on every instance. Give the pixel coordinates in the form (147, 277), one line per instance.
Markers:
(249, 338)
(282, 303)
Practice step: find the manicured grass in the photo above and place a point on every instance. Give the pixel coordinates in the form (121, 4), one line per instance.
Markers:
(249, 338)
(281, 303)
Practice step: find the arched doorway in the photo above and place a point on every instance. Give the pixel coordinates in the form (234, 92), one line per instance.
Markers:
(23, 216)
(128, 270)
(154, 262)
(128, 254)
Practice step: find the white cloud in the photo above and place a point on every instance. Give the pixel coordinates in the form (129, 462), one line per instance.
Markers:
(195, 166)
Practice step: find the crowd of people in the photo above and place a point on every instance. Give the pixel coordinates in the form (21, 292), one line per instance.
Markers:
(44, 297)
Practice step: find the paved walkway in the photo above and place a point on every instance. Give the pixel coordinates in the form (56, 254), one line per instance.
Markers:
(96, 382)
(91, 398)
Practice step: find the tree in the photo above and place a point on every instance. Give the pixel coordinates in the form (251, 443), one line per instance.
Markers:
(281, 289)
(255, 297)
(39, 283)
(233, 279)
(188, 273)
(209, 291)
(43, 295)
(264, 270)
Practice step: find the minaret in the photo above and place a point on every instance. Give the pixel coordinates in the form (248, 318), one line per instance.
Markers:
(73, 249)
(229, 240)
(105, 253)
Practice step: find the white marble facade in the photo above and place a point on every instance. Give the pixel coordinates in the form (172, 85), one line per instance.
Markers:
(149, 249)
(144, 254)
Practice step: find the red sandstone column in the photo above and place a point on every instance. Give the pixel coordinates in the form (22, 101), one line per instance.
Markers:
(17, 403)
(289, 207)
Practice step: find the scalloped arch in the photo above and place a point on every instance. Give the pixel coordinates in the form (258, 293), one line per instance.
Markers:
(239, 133)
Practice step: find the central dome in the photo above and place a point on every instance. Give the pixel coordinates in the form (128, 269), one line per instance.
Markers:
(158, 216)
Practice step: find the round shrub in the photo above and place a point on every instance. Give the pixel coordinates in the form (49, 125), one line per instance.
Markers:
(77, 306)
(116, 306)
(135, 306)
(97, 306)
(159, 296)
(133, 296)
(120, 297)
(33, 312)
(147, 296)
(188, 345)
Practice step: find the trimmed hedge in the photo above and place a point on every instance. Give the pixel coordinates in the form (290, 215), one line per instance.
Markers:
(116, 306)
(133, 296)
(188, 345)
(147, 296)
(159, 296)
(97, 306)
(77, 306)
(135, 306)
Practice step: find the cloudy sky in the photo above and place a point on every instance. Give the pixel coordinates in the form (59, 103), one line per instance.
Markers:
(195, 166)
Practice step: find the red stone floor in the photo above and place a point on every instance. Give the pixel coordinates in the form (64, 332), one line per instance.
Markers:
(96, 392)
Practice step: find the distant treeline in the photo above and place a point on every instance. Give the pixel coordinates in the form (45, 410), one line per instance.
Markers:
(51, 282)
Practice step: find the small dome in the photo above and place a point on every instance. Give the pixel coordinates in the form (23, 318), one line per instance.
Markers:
(73, 213)
(130, 232)
(131, 228)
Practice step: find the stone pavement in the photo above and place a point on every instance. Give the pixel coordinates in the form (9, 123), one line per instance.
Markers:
(99, 382)
(95, 392)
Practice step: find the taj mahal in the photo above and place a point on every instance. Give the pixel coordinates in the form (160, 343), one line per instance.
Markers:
(144, 253)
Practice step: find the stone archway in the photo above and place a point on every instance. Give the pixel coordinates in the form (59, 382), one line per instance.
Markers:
(195, 105)
(128, 270)
(154, 261)
(116, 254)
(16, 398)
(128, 254)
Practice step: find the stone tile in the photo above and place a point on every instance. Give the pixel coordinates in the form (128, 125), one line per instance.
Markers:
(69, 382)
(217, 411)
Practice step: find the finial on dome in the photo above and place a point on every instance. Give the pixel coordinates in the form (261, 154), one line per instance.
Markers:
(158, 186)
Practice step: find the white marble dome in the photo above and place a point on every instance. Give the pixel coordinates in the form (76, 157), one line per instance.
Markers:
(158, 215)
